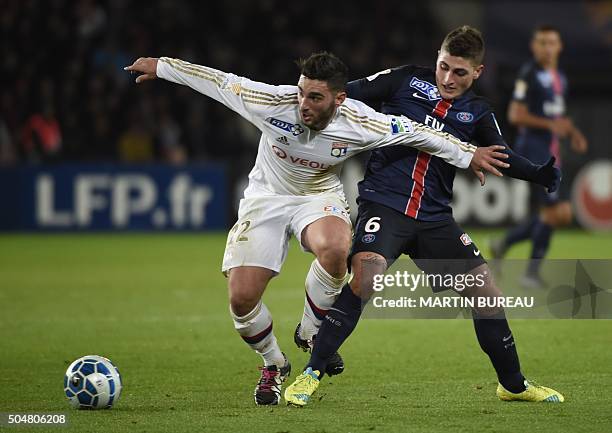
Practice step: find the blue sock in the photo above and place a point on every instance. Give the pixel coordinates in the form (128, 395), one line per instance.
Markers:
(496, 340)
(541, 240)
(338, 324)
(521, 232)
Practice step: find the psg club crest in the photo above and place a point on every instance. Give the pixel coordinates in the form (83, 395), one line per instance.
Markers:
(368, 238)
(465, 117)
(339, 149)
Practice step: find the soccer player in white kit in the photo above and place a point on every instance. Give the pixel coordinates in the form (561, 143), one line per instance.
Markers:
(294, 188)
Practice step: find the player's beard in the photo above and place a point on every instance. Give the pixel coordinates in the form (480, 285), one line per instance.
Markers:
(320, 121)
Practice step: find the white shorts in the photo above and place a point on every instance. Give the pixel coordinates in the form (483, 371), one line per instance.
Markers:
(261, 235)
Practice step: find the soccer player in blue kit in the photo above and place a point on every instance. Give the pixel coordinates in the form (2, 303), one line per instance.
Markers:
(538, 109)
(404, 208)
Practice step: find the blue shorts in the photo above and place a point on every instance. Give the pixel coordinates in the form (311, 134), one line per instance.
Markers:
(436, 247)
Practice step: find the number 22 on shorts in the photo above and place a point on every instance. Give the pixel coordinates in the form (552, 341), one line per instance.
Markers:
(237, 232)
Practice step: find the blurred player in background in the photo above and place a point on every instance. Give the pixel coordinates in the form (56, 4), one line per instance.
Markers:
(294, 188)
(404, 208)
(538, 109)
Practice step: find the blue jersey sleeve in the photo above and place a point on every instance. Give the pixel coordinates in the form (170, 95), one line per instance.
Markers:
(487, 133)
(379, 87)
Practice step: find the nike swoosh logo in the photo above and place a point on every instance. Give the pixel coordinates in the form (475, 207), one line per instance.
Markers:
(504, 339)
(419, 96)
(476, 252)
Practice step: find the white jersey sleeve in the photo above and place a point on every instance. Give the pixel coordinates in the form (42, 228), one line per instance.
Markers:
(381, 130)
(407, 132)
(251, 99)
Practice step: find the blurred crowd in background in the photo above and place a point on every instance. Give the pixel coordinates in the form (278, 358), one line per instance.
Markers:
(65, 96)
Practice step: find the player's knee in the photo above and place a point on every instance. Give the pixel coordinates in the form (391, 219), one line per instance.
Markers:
(242, 301)
(548, 216)
(366, 268)
(335, 252)
(557, 216)
(332, 254)
(337, 244)
(565, 215)
(243, 296)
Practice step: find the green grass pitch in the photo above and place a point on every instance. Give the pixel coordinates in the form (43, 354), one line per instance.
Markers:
(157, 306)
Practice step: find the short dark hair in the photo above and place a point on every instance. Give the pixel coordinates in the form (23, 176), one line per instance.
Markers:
(326, 67)
(546, 28)
(466, 42)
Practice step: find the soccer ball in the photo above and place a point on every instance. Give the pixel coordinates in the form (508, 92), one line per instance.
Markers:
(92, 382)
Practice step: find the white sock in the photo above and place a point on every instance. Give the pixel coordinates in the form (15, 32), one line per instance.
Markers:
(255, 328)
(321, 292)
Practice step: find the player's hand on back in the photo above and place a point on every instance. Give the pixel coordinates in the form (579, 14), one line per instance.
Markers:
(146, 66)
(487, 159)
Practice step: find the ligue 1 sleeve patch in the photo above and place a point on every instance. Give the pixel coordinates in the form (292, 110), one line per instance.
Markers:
(520, 89)
(401, 125)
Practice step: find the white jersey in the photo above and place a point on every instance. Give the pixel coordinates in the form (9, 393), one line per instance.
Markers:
(294, 160)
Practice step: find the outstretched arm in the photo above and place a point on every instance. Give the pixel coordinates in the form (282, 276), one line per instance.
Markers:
(403, 131)
(457, 152)
(248, 98)
(547, 175)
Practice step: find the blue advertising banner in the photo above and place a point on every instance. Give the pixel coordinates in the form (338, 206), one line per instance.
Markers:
(113, 197)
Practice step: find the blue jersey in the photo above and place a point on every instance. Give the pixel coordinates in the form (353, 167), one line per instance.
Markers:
(405, 179)
(544, 92)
